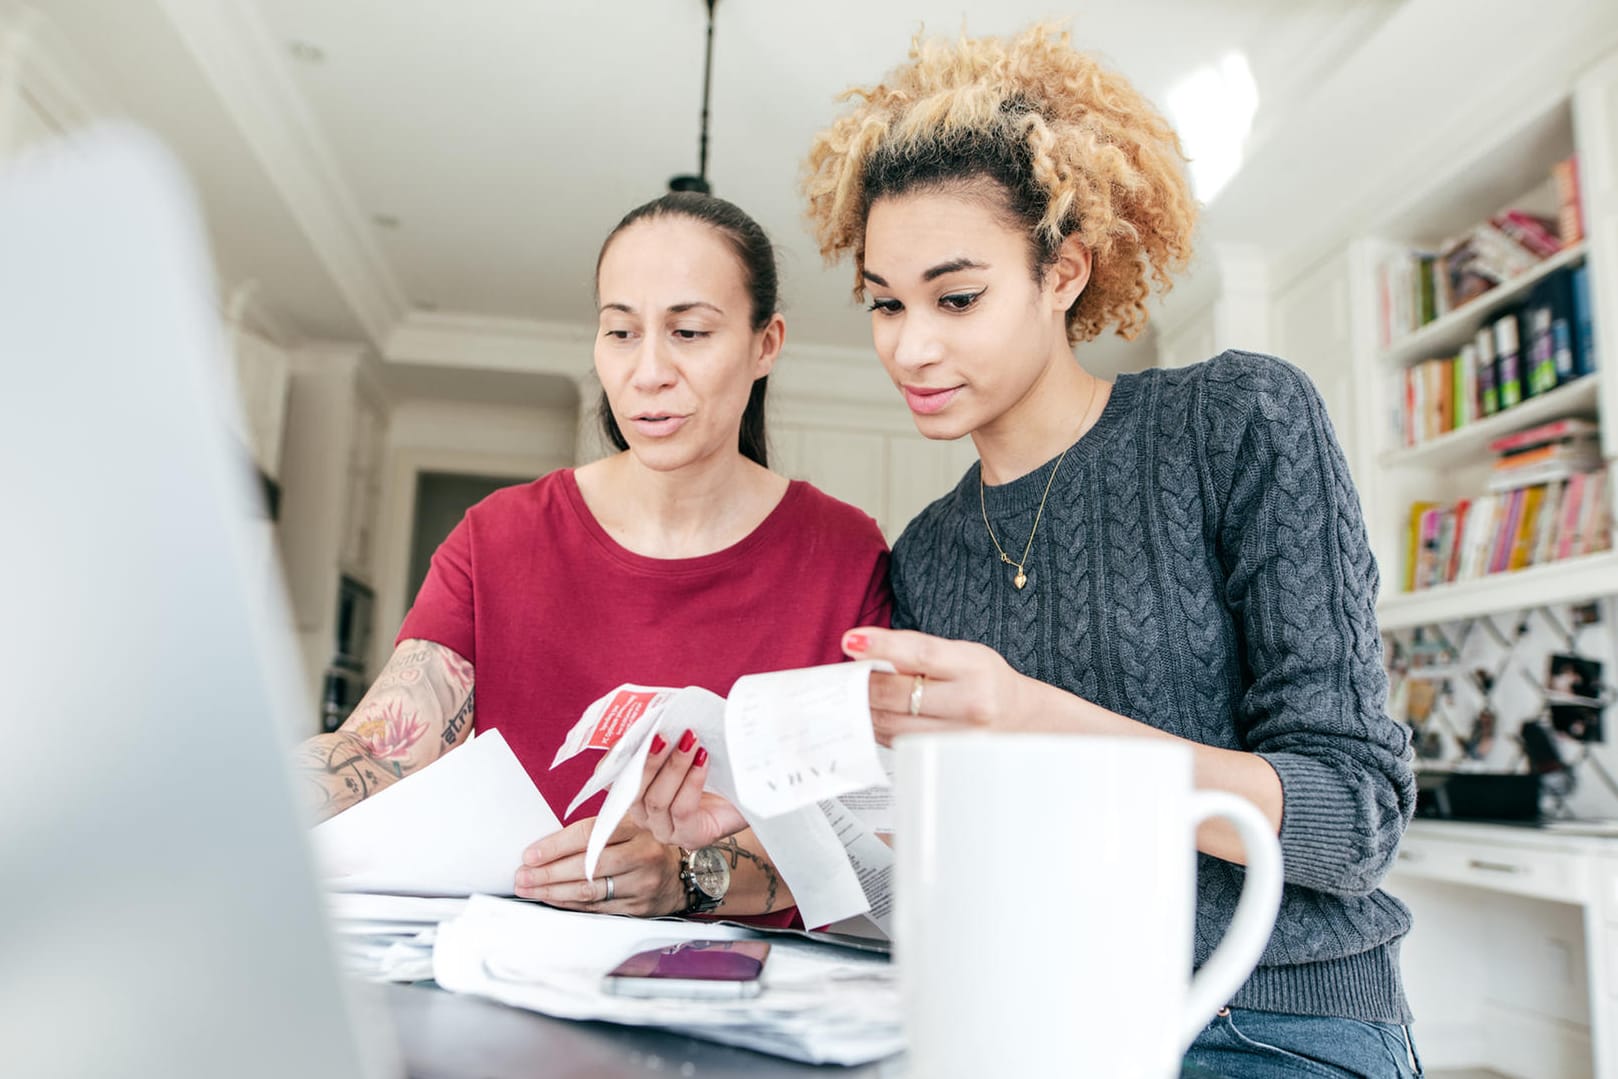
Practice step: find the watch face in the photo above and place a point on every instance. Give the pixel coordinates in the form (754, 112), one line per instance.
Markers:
(710, 872)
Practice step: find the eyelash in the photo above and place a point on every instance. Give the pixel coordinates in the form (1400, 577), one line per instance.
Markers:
(682, 335)
(954, 302)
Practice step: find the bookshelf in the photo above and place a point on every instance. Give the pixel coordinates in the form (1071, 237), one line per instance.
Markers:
(1470, 443)
(1571, 580)
(1514, 170)
(1454, 329)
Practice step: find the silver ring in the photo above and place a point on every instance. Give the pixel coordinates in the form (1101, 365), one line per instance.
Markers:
(915, 694)
(611, 891)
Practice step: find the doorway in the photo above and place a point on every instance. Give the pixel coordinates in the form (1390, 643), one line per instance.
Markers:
(442, 499)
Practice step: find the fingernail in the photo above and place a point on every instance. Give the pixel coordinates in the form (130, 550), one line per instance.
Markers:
(855, 642)
(658, 745)
(686, 741)
(524, 878)
(701, 758)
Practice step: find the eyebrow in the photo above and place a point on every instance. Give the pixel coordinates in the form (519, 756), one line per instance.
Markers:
(933, 273)
(677, 309)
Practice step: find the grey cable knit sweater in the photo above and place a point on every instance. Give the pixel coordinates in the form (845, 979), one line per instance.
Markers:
(1202, 567)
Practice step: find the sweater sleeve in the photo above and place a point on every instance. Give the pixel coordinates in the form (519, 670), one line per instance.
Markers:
(1302, 584)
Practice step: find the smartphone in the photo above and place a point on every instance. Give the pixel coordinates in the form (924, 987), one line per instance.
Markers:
(692, 970)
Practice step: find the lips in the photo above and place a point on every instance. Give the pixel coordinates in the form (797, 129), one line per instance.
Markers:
(658, 424)
(926, 400)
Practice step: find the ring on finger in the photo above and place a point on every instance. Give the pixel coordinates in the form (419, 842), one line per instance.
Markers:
(916, 687)
(611, 890)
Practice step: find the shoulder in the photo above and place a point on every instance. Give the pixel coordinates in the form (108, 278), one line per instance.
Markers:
(521, 502)
(1237, 395)
(939, 520)
(830, 520)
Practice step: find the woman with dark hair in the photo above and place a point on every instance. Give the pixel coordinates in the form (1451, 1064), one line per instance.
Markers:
(1178, 555)
(680, 560)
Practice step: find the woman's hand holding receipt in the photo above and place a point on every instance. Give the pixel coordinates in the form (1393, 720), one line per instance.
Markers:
(674, 806)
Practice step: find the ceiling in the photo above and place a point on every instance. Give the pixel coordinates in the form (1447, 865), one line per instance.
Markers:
(437, 178)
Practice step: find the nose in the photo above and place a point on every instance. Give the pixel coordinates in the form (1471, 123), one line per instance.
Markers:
(916, 343)
(653, 369)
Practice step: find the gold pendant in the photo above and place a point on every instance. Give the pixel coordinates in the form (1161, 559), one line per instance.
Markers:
(1020, 580)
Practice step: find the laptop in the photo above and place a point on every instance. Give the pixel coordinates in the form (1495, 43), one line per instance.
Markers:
(159, 914)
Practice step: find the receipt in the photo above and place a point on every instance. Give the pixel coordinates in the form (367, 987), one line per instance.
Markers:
(782, 744)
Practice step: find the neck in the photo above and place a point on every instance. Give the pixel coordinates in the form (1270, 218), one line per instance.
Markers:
(1058, 408)
(695, 510)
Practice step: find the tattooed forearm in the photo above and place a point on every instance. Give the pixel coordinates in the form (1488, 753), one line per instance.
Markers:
(738, 853)
(424, 689)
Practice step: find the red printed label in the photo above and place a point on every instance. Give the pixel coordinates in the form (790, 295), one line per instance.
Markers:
(619, 715)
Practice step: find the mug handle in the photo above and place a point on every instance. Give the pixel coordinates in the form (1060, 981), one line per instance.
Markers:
(1244, 942)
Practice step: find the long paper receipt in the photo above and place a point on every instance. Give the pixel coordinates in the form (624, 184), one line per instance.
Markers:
(783, 743)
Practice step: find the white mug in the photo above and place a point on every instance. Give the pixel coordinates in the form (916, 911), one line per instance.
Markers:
(1044, 904)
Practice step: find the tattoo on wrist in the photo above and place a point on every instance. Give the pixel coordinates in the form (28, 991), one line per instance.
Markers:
(737, 852)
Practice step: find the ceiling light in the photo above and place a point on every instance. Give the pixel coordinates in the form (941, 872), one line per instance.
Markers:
(699, 182)
(1212, 109)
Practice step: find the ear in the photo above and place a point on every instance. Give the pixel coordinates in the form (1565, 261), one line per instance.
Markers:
(1069, 275)
(771, 340)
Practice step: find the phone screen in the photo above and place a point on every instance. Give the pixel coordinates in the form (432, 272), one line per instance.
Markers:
(692, 968)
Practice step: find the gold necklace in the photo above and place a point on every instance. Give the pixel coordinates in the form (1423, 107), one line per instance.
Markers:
(1021, 578)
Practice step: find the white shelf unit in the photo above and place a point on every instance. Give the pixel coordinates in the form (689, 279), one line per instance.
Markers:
(1514, 170)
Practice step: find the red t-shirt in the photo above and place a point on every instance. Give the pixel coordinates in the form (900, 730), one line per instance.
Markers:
(552, 612)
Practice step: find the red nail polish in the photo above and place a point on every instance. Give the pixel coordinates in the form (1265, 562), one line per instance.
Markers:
(687, 740)
(657, 744)
(701, 757)
(855, 642)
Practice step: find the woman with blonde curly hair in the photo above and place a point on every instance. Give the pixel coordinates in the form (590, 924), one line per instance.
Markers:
(1177, 555)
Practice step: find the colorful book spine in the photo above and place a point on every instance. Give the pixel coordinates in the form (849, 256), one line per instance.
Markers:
(1488, 383)
(1584, 342)
(1413, 540)
(1543, 434)
(1522, 542)
(1570, 203)
(1508, 361)
(1567, 529)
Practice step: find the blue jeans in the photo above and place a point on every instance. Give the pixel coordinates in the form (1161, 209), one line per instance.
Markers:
(1244, 1044)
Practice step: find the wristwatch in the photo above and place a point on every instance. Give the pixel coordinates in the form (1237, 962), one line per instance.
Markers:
(706, 876)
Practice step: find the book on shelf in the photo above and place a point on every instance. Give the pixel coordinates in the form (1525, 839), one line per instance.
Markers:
(1508, 360)
(1509, 530)
(1521, 354)
(1556, 431)
(1538, 235)
(1569, 199)
(1584, 338)
(1488, 386)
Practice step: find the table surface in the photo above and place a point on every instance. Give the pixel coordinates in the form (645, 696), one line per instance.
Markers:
(446, 1035)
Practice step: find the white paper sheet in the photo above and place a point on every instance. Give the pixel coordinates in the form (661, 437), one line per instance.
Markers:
(819, 1004)
(455, 828)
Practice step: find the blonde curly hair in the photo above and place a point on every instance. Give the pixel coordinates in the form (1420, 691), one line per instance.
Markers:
(1076, 148)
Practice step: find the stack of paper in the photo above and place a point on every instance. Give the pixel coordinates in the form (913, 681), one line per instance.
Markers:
(389, 938)
(820, 1004)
